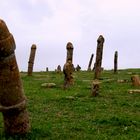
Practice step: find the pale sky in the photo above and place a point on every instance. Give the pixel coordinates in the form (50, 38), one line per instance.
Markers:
(50, 24)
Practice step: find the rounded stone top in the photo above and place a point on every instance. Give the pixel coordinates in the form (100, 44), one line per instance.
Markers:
(7, 42)
(116, 52)
(4, 32)
(69, 45)
(33, 46)
(100, 39)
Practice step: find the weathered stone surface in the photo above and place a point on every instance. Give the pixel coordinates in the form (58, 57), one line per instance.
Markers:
(95, 88)
(90, 62)
(115, 62)
(134, 91)
(31, 60)
(135, 80)
(69, 48)
(68, 78)
(12, 98)
(99, 53)
(68, 67)
(48, 85)
(122, 81)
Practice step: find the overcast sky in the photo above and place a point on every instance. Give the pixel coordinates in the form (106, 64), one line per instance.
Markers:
(50, 24)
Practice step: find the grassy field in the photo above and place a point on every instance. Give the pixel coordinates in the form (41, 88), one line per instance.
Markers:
(73, 114)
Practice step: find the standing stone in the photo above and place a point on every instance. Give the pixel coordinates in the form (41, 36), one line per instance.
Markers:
(69, 48)
(99, 53)
(68, 78)
(47, 69)
(90, 62)
(68, 66)
(12, 98)
(31, 60)
(58, 70)
(115, 62)
(78, 68)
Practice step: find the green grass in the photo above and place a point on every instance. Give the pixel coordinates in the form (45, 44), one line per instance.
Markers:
(73, 114)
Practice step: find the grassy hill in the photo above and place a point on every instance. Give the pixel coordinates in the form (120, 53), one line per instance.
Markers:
(73, 114)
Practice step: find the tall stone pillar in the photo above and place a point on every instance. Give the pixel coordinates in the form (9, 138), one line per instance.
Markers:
(99, 53)
(115, 62)
(68, 66)
(12, 98)
(31, 60)
(69, 48)
(90, 62)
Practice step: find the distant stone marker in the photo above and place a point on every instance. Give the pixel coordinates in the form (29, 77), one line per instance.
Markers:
(99, 53)
(68, 66)
(90, 62)
(31, 60)
(115, 62)
(12, 98)
(47, 69)
(78, 68)
(58, 70)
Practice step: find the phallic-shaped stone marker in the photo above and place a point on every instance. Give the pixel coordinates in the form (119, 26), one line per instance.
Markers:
(90, 62)
(135, 80)
(58, 69)
(99, 53)
(31, 60)
(68, 66)
(69, 48)
(68, 70)
(115, 62)
(12, 98)
(95, 88)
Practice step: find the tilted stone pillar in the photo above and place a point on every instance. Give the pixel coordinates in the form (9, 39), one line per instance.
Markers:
(90, 62)
(99, 53)
(115, 62)
(31, 60)
(68, 66)
(12, 98)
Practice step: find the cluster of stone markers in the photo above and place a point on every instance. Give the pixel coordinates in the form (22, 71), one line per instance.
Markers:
(12, 98)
